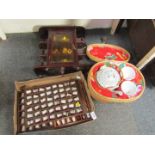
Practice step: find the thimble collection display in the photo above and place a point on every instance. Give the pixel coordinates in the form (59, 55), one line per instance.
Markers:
(52, 103)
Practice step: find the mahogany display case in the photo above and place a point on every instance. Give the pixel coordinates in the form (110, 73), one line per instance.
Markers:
(62, 48)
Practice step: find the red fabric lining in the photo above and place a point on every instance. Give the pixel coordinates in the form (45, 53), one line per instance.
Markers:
(107, 92)
(103, 52)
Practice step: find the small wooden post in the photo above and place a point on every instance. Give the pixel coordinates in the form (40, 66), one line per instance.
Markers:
(115, 24)
(2, 35)
(146, 59)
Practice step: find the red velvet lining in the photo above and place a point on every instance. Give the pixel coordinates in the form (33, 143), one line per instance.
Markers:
(109, 53)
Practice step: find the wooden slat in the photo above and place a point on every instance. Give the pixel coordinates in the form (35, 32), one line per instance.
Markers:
(146, 59)
(2, 35)
(115, 24)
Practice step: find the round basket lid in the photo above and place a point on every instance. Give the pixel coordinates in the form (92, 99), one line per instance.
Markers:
(100, 52)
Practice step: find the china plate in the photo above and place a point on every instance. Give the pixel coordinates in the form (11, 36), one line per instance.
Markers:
(108, 77)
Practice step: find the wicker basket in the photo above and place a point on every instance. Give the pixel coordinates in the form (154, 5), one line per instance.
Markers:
(105, 99)
(97, 59)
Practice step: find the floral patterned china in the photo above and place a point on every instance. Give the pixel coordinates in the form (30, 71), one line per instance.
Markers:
(129, 88)
(128, 73)
(115, 81)
(108, 77)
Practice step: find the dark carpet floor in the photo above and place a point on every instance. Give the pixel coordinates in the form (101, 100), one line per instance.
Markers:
(18, 56)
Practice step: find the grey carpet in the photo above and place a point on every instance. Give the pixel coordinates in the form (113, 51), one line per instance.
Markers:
(18, 56)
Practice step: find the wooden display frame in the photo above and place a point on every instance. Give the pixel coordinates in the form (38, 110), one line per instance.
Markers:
(86, 100)
(78, 44)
